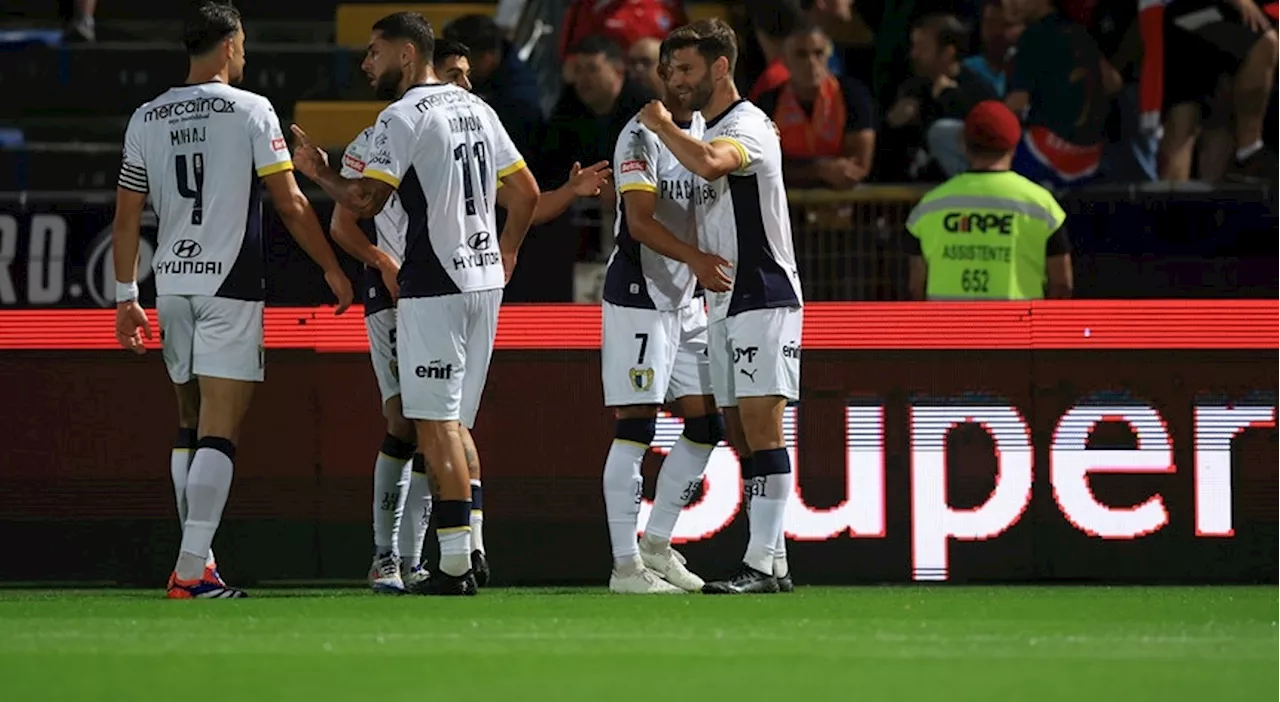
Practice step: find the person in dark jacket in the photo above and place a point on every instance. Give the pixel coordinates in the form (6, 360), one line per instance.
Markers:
(501, 79)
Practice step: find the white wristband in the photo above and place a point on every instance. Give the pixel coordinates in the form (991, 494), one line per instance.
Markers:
(126, 292)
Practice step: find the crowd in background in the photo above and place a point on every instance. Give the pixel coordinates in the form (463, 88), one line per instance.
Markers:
(1123, 91)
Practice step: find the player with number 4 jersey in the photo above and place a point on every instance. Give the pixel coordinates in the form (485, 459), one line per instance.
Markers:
(201, 152)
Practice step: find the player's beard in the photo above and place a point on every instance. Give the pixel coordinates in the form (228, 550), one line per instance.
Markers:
(701, 93)
(388, 84)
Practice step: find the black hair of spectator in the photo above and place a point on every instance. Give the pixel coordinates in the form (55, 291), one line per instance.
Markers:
(947, 30)
(412, 27)
(713, 38)
(775, 21)
(479, 32)
(804, 26)
(598, 44)
(207, 25)
(446, 47)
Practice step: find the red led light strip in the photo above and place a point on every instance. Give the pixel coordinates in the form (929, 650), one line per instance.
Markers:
(1102, 324)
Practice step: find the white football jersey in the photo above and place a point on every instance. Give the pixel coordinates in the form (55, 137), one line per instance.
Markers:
(391, 223)
(744, 217)
(198, 151)
(444, 149)
(637, 275)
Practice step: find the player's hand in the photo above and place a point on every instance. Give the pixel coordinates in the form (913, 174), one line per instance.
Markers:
(587, 182)
(655, 115)
(710, 271)
(307, 157)
(341, 288)
(508, 265)
(131, 326)
(1252, 15)
(390, 272)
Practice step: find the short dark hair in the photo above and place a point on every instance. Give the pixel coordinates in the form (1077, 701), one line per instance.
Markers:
(447, 47)
(948, 30)
(712, 38)
(477, 31)
(597, 44)
(411, 27)
(774, 20)
(207, 25)
(803, 26)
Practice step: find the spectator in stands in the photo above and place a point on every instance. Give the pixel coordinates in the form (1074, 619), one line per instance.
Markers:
(827, 124)
(642, 64)
(623, 21)
(930, 109)
(997, 35)
(831, 15)
(771, 23)
(1206, 40)
(1061, 87)
(501, 78)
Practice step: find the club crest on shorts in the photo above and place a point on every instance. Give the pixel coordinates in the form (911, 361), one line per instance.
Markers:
(641, 379)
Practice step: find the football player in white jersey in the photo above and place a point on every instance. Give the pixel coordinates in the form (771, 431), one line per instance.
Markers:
(400, 485)
(754, 331)
(198, 152)
(654, 351)
(443, 150)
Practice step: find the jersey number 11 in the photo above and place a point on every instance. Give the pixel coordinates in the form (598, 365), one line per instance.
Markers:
(185, 189)
(463, 156)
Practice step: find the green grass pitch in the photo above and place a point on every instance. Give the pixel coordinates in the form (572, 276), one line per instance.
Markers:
(878, 643)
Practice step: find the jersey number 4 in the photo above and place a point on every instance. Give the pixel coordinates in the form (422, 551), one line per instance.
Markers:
(463, 156)
(187, 179)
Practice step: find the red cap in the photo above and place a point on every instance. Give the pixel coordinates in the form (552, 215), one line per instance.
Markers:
(991, 125)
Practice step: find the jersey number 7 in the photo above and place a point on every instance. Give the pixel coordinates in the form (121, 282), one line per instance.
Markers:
(185, 188)
(463, 155)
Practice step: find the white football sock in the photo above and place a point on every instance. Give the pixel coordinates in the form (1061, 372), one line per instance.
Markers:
(1243, 153)
(208, 483)
(389, 491)
(780, 566)
(768, 507)
(417, 517)
(622, 493)
(678, 480)
(477, 516)
(179, 465)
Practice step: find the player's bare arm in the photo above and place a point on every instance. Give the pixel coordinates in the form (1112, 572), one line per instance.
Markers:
(583, 182)
(646, 229)
(344, 226)
(301, 221)
(126, 231)
(710, 161)
(521, 195)
(365, 197)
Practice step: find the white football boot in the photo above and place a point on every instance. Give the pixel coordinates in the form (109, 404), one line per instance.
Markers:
(669, 565)
(639, 580)
(384, 575)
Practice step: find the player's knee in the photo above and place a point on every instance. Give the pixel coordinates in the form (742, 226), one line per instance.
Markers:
(221, 444)
(401, 428)
(638, 430)
(707, 430)
(397, 447)
(1267, 46)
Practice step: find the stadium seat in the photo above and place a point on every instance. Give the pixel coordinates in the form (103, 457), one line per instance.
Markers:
(354, 21)
(335, 124)
(707, 10)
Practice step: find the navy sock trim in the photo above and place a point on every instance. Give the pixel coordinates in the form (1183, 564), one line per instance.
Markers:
(477, 497)
(419, 464)
(707, 430)
(452, 514)
(636, 429)
(396, 447)
(186, 439)
(772, 462)
(748, 466)
(219, 444)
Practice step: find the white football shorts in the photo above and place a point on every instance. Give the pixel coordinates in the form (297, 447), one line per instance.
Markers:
(756, 353)
(214, 337)
(381, 328)
(445, 344)
(650, 357)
